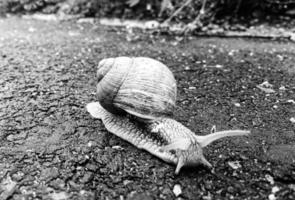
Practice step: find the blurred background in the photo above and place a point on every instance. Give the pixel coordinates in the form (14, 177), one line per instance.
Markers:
(195, 13)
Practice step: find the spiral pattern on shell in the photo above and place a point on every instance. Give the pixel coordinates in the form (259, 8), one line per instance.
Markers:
(140, 86)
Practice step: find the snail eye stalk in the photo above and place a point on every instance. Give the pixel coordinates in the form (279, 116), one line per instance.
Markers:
(208, 139)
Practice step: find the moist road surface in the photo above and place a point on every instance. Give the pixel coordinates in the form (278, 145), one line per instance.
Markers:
(50, 148)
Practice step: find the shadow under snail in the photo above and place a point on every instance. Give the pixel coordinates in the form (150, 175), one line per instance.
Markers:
(136, 99)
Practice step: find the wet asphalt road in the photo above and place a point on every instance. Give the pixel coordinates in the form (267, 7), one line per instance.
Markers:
(50, 148)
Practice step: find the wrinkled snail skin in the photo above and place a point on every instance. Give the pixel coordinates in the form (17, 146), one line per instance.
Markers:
(165, 138)
(128, 130)
(136, 99)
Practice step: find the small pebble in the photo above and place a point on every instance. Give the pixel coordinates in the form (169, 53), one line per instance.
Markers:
(231, 53)
(270, 179)
(117, 147)
(218, 66)
(234, 164)
(272, 197)
(31, 29)
(89, 144)
(177, 190)
(292, 187)
(207, 197)
(280, 57)
(282, 88)
(290, 101)
(126, 182)
(275, 189)
(237, 104)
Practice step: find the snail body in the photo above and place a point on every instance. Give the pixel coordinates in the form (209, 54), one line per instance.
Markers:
(145, 88)
(161, 136)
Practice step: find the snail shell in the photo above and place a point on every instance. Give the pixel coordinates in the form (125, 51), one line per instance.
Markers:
(140, 86)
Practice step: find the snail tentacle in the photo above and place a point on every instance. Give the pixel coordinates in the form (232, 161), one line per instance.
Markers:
(208, 139)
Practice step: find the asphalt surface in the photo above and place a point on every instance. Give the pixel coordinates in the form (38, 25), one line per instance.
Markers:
(50, 148)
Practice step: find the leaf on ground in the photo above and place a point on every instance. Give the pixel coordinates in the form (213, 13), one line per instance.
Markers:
(266, 90)
(266, 87)
(270, 179)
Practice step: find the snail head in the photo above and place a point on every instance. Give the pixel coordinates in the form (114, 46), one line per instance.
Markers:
(192, 156)
(190, 152)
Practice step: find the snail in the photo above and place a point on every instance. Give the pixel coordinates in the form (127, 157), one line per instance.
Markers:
(136, 99)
